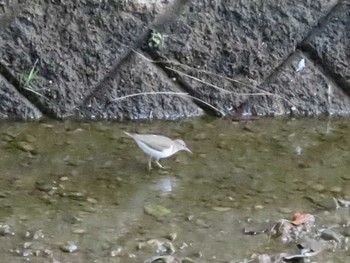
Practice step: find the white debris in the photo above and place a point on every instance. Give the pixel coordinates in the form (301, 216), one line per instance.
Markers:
(301, 65)
(298, 150)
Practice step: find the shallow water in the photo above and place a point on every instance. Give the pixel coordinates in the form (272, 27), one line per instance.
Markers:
(88, 184)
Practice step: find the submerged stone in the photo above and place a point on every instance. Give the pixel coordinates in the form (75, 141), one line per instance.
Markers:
(25, 146)
(69, 247)
(156, 210)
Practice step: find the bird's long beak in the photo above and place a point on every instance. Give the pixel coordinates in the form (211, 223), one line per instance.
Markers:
(188, 150)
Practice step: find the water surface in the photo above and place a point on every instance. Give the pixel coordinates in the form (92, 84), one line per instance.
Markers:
(88, 185)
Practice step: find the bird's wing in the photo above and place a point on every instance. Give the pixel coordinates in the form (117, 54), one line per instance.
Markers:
(156, 142)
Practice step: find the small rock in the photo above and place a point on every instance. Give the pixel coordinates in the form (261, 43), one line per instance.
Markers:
(336, 189)
(69, 247)
(45, 186)
(74, 195)
(318, 187)
(6, 230)
(188, 260)
(163, 259)
(223, 145)
(79, 231)
(200, 137)
(25, 147)
(49, 253)
(329, 234)
(91, 200)
(163, 172)
(7, 138)
(64, 178)
(258, 207)
(47, 126)
(153, 246)
(72, 219)
(72, 162)
(156, 210)
(107, 164)
(27, 244)
(89, 209)
(203, 155)
(329, 204)
(201, 223)
(29, 138)
(264, 258)
(116, 252)
(221, 208)
(169, 247)
(171, 236)
(346, 176)
(39, 234)
(74, 173)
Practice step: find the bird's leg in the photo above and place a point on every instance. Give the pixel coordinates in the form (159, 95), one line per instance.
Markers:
(150, 163)
(159, 165)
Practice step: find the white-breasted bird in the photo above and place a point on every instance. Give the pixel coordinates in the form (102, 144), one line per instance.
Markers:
(158, 146)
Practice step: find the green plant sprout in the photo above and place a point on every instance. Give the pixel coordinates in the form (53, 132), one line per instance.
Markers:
(25, 81)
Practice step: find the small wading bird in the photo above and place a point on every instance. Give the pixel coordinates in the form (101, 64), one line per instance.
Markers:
(157, 146)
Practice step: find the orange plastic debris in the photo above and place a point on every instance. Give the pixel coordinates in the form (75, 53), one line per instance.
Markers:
(298, 219)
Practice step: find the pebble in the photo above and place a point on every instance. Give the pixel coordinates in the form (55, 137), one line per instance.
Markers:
(25, 147)
(346, 176)
(91, 200)
(335, 189)
(163, 172)
(6, 230)
(45, 186)
(171, 236)
(74, 173)
(200, 137)
(116, 252)
(47, 126)
(188, 260)
(7, 138)
(328, 234)
(258, 207)
(223, 145)
(69, 247)
(221, 208)
(201, 223)
(107, 164)
(318, 187)
(27, 244)
(75, 195)
(153, 246)
(89, 209)
(64, 178)
(29, 138)
(79, 231)
(156, 210)
(39, 234)
(102, 128)
(169, 247)
(49, 253)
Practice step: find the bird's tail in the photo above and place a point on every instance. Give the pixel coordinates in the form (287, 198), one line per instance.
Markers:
(129, 134)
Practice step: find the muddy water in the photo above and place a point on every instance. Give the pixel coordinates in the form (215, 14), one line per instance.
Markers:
(76, 192)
